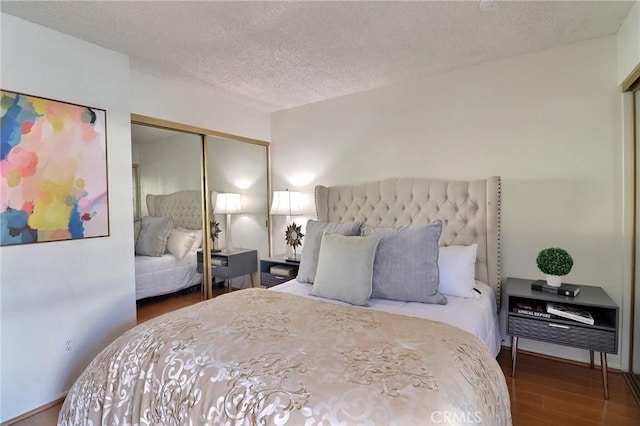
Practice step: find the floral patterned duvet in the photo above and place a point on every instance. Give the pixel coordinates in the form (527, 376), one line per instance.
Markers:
(263, 357)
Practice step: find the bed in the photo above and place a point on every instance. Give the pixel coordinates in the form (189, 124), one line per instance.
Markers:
(166, 244)
(470, 212)
(278, 356)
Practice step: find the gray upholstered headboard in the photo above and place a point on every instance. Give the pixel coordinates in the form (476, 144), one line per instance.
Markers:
(185, 207)
(469, 210)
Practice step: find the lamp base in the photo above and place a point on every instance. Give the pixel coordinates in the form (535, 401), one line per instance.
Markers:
(295, 258)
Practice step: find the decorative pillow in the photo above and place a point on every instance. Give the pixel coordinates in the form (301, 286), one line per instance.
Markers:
(406, 265)
(197, 233)
(457, 270)
(154, 233)
(345, 268)
(180, 243)
(311, 247)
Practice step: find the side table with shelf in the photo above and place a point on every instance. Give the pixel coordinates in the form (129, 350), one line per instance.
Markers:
(269, 279)
(233, 264)
(601, 337)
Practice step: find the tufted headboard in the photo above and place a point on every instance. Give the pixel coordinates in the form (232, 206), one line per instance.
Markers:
(469, 210)
(185, 207)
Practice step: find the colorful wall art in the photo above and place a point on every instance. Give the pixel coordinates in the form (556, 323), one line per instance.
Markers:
(53, 170)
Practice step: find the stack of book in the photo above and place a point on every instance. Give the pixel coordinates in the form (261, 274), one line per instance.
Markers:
(570, 290)
(570, 312)
(219, 261)
(553, 311)
(284, 270)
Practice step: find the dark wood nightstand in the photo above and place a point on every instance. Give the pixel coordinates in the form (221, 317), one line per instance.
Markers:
(231, 265)
(288, 270)
(601, 337)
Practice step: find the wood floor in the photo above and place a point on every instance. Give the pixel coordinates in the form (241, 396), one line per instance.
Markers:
(544, 391)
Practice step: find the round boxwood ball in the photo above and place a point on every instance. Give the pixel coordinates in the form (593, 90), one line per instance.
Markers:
(554, 261)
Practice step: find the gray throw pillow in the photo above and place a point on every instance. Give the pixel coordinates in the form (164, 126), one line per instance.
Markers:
(154, 233)
(311, 247)
(406, 265)
(345, 268)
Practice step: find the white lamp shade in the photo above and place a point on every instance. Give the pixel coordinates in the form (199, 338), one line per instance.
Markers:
(227, 203)
(286, 203)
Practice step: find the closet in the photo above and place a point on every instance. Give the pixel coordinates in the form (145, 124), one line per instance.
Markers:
(170, 157)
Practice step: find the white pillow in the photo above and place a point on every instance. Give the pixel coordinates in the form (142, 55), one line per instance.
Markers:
(345, 268)
(457, 266)
(180, 243)
(197, 242)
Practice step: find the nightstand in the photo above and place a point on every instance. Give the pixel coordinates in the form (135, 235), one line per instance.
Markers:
(284, 270)
(601, 337)
(235, 264)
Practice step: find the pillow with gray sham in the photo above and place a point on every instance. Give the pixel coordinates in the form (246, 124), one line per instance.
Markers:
(406, 264)
(313, 239)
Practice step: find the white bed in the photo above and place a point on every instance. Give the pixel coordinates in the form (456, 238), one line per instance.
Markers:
(165, 274)
(280, 356)
(470, 212)
(477, 316)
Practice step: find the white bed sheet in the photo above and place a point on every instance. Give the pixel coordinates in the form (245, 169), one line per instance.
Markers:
(477, 316)
(166, 274)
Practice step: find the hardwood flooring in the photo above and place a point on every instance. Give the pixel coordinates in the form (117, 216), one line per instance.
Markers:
(544, 391)
(551, 392)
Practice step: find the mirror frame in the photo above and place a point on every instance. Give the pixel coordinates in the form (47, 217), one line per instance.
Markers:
(206, 191)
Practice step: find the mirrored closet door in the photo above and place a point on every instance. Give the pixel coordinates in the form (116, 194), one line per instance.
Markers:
(168, 225)
(183, 169)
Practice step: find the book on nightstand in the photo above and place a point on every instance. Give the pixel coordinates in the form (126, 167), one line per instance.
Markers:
(570, 290)
(570, 312)
(284, 270)
(532, 309)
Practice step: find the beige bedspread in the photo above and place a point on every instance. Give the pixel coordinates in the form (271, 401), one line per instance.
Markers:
(263, 357)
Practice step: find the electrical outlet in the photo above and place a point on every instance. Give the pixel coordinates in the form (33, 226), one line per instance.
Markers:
(68, 345)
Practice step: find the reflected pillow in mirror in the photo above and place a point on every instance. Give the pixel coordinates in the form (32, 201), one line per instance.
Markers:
(154, 233)
(197, 233)
(180, 243)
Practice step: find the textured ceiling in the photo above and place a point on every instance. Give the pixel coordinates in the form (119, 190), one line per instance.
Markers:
(278, 55)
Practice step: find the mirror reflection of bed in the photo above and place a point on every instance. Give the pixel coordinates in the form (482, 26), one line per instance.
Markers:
(168, 169)
(169, 194)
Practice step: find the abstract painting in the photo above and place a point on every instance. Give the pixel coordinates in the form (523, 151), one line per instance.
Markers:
(53, 170)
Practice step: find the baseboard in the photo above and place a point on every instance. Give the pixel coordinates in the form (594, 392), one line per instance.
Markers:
(558, 359)
(34, 411)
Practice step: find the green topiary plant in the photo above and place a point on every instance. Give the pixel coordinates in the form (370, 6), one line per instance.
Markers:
(554, 261)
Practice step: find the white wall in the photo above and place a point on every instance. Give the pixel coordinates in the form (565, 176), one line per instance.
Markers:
(547, 122)
(629, 43)
(161, 99)
(83, 289)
